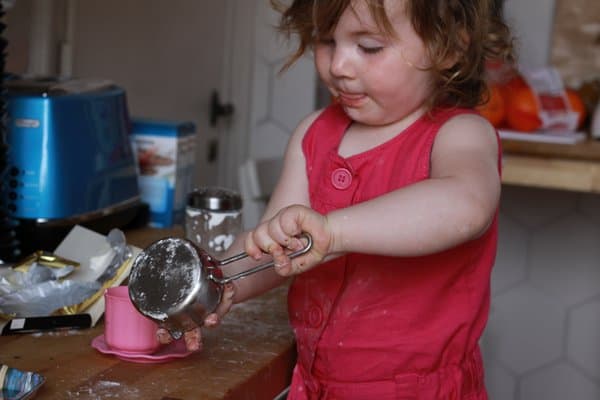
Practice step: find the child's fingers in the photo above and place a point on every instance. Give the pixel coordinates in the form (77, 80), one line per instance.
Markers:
(263, 239)
(252, 248)
(279, 234)
(211, 320)
(300, 264)
(223, 307)
(295, 266)
(284, 268)
(163, 336)
(282, 263)
(193, 339)
(296, 244)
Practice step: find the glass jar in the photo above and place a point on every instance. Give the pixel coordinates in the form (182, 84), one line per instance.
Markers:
(213, 218)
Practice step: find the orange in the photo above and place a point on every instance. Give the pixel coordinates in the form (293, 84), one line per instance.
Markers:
(493, 110)
(522, 109)
(515, 82)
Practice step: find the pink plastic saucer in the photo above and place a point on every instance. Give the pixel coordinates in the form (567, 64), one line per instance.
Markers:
(171, 351)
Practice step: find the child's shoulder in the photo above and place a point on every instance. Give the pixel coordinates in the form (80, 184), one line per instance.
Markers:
(303, 127)
(466, 128)
(328, 113)
(466, 120)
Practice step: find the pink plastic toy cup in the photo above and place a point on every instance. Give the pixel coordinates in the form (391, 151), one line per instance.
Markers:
(125, 329)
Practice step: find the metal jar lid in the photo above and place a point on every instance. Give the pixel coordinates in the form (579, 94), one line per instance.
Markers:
(215, 199)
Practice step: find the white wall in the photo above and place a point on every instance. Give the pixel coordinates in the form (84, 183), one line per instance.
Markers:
(531, 22)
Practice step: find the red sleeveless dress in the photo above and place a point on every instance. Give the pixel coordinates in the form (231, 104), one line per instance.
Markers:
(374, 327)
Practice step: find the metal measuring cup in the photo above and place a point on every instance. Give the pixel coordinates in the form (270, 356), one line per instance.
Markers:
(177, 284)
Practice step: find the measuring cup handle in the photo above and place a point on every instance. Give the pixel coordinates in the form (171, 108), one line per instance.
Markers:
(260, 267)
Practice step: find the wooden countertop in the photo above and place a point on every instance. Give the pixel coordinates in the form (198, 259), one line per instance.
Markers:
(552, 166)
(249, 356)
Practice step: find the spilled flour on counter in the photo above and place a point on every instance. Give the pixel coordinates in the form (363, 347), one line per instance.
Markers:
(250, 319)
(60, 332)
(105, 390)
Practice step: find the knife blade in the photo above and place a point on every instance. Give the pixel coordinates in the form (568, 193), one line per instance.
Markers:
(116, 238)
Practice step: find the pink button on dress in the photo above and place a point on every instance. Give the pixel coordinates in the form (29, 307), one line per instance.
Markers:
(341, 178)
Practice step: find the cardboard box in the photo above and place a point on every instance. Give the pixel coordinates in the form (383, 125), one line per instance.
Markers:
(165, 153)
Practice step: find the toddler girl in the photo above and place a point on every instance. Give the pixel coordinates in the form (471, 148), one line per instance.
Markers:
(398, 183)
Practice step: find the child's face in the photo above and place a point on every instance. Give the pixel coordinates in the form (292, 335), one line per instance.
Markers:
(377, 79)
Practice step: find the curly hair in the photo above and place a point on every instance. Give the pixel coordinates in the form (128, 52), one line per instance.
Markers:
(469, 32)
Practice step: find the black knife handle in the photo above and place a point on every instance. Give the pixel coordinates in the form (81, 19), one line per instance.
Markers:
(36, 324)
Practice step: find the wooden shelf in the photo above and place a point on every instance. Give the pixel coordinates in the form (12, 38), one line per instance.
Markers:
(588, 150)
(552, 166)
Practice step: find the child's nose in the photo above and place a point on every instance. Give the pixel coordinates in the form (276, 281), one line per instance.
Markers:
(341, 66)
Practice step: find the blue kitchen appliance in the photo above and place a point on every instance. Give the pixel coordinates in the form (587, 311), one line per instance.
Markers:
(70, 159)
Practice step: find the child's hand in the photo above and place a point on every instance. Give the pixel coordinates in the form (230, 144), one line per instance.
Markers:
(193, 338)
(277, 237)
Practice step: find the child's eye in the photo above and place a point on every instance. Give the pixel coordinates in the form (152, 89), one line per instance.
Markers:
(371, 49)
(370, 45)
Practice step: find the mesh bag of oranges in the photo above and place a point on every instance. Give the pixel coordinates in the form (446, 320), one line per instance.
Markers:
(534, 100)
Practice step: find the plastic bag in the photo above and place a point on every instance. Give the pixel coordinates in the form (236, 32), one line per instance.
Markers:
(46, 297)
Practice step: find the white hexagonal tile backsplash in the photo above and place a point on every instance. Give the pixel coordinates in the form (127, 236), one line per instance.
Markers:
(558, 381)
(526, 328)
(536, 207)
(512, 256)
(543, 336)
(582, 337)
(565, 258)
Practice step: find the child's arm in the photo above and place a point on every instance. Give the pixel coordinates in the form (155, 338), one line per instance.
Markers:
(456, 205)
(292, 188)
